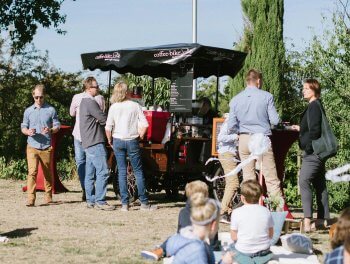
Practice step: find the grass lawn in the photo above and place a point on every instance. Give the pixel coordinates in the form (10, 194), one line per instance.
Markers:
(68, 232)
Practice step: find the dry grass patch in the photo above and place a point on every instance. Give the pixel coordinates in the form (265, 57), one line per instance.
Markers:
(68, 232)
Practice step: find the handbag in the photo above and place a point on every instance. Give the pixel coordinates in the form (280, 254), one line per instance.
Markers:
(326, 146)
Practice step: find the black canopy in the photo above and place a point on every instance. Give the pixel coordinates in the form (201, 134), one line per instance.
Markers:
(161, 61)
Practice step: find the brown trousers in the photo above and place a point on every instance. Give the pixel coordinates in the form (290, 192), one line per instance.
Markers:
(34, 156)
(268, 166)
(231, 183)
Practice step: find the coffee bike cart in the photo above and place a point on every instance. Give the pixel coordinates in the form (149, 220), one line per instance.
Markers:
(169, 166)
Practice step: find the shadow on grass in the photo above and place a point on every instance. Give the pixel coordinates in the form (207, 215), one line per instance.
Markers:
(60, 202)
(20, 232)
(159, 197)
(317, 252)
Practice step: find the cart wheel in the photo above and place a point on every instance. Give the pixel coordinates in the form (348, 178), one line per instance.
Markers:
(132, 188)
(219, 184)
(131, 182)
(114, 177)
(171, 189)
(172, 194)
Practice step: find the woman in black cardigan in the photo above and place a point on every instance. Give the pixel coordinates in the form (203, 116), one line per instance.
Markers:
(312, 168)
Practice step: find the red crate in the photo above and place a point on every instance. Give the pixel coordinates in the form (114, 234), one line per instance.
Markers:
(157, 122)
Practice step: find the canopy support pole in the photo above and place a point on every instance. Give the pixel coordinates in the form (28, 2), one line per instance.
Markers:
(194, 40)
(109, 89)
(217, 91)
(152, 99)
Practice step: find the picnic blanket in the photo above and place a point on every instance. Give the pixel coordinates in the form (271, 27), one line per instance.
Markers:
(280, 254)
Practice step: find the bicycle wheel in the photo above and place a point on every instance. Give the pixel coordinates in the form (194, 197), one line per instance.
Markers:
(219, 184)
(219, 188)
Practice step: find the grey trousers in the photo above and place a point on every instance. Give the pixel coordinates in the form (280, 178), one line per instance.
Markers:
(313, 172)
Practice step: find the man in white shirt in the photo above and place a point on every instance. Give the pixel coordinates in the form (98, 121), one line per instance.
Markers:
(80, 156)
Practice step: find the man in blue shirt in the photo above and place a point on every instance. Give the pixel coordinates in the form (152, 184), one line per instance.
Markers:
(39, 123)
(253, 111)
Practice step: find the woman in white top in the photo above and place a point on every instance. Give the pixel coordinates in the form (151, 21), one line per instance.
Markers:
(126, 123)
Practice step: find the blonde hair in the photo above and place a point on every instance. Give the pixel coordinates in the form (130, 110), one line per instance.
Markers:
(195, 187)
(40, 88)
(203, 210)
(119, 92)
(342, 229)
(251, 190)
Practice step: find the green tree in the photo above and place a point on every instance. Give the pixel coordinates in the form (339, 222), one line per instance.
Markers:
(327, 58)
(18, 75)
(263, 40)
(22, 18)
(161, 88)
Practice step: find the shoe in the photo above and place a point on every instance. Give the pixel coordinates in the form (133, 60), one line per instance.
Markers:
(148, 207)
(320, 224)
(48, 200)
(105, 207)
(155, 254)
(90, 205)
(125, 208)
(306, 225)
(30, 204)
(83, 197)
(225, 218)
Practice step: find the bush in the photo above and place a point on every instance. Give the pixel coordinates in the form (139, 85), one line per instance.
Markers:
(18, 169)
(14, 169)
(66, 169)
(338, 193)
(339, 196)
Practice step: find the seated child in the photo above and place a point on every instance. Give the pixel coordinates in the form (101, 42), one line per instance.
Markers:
(341, 240)
(185, 213)
(190, 246)
(251, 227)
(227, 153)
(184, 218)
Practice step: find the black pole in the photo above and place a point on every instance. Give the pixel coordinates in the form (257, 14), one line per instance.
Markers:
(217, 93)
(109, 89)
(152, 99)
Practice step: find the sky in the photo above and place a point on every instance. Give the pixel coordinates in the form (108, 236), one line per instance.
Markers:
(101, 25)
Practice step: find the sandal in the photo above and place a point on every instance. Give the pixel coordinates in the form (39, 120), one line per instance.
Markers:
(307, 226)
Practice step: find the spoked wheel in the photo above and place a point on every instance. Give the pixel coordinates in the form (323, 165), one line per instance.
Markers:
(219, 188)
(219, 184)
(171, 188)
(131, 183)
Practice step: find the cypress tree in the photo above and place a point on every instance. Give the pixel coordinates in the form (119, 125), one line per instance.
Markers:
(263, 40)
